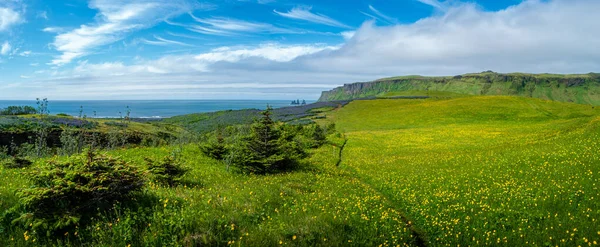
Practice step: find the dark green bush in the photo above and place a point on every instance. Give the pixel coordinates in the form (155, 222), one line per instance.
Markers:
(318, 136)
(215, 147)
(17, 162)
(67, 194)
(18, 110)
(267, 149)
(167, 171)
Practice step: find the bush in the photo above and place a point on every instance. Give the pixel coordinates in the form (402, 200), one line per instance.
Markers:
(18, 110)
(168, 171)
(215, 147)
(4, 152)
(318, 136)
(266, 149)
(17, 162)
(66, 195)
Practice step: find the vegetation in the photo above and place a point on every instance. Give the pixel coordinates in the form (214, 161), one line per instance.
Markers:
(583, 89)
(208, 122)
(65, 195)
(441, 171)
(167, 171)
(18, 110)
(502, 171)
(266, 149)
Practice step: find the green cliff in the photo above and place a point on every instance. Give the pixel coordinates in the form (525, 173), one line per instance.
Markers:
(583, 89)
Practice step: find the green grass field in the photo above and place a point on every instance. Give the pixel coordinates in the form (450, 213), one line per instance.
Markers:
(483, 170)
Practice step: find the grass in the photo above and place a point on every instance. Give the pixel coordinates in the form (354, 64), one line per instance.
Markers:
(501, 171)
(317, 206)
(207, 122)
(482, 170)
(432, 94)
(582, 89)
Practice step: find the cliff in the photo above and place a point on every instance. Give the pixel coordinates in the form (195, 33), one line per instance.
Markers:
(583, 89)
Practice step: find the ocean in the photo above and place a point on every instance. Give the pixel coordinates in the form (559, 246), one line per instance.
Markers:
(147, 108)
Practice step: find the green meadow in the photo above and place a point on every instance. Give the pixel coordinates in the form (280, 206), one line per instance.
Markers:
(444, 171)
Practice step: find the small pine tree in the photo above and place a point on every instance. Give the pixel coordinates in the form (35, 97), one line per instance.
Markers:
(215, 148)
(318, 136)
(265, 150)
(167, 171)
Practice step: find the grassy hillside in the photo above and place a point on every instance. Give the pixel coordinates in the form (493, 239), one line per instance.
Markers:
(209, 121)
(501, 171)
(18, 130)
(478, 170)
(315, 206)
(583, 89)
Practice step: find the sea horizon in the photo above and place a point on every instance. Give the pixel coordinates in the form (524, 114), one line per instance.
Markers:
(147, 108)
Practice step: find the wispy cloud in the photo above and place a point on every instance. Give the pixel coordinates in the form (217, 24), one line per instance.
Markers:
(378, 15)
(435, 3)
(116, 19)
(303, 13)
(42, 15)
(228, 27)
(533, 36)
(9, 18)
(53, 29)
(163, 42)
(233, 24)
(5, 49)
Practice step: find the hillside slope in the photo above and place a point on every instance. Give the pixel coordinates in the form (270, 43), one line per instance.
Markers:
(484, 170)
(582, 89)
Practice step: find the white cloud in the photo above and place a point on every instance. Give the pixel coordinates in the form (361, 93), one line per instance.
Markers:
(9, 18)
(348, 34)
(382, 16)
(116, 19)
(53, 29)
(6, 48)
(230, 27)
(435, 3)
(25, 54)
(163, 42)
(534, 36)
(232, 24)
(303, 13)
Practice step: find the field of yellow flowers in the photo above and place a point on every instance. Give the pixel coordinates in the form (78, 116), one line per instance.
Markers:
(496, 171)
(318, 205)
(471, 171)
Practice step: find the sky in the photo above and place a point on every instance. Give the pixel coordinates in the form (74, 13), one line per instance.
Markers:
(278, 49)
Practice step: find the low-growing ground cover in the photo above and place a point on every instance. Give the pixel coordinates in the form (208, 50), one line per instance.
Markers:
(482, 171)
(316, 206)
(497, 171)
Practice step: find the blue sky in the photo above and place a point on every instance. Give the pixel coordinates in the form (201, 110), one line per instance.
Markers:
(278, 49)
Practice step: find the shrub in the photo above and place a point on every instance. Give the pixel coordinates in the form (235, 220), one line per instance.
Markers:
(318, 136)
(17, 162)
(215, 147)
(330, 129)
(265, 149)
(167, 171)
(66, 194)
(4, 152)
(18, 110)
